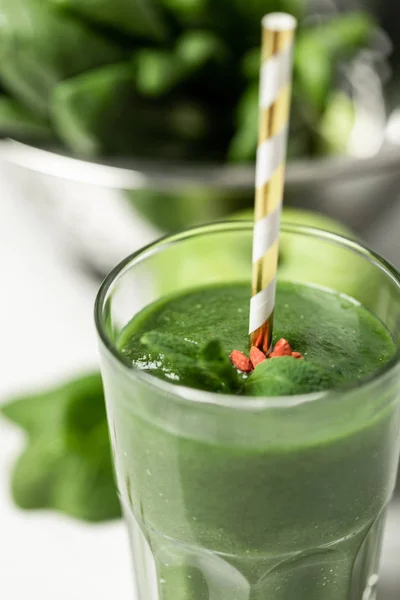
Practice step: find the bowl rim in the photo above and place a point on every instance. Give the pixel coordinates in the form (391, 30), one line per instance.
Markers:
(157, 174)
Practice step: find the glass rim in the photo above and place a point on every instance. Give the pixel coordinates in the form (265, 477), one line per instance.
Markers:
(188, 394)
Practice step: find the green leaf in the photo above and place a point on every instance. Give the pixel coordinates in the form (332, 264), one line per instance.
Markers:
(286, 376)
(85, 491)
(17, 122)
(45, 412)
(245, 16)
(33, 477)
(318, 50)
(135, 17)
(336, 124)
(216, 362)
(244, 143)
(187, 11)
(251, 63)
(66, 465)
(203, 368)
(101, 112)
(213, 353)
(158, 71)
(196, 47)
(256, 9)
(344, 34)
(93, 112)
(190, 58)
(40, 47)
(46, 476)
(314, 73)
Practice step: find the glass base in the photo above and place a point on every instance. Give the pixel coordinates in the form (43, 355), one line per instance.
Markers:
(167, 569)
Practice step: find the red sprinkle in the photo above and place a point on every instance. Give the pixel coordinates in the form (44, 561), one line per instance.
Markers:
(282, 348)
(257, 356)
(241, 361)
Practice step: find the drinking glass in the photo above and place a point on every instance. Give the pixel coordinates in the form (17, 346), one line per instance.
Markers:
(243, 498)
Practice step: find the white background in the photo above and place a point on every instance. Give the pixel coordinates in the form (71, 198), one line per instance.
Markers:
(46, 334)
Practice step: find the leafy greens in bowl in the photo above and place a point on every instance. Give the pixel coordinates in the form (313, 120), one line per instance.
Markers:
(166, 79)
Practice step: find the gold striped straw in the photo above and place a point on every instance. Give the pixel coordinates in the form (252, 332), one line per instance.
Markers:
(278, 30)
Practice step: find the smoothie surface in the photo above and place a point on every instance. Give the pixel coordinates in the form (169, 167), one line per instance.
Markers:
(185, 339)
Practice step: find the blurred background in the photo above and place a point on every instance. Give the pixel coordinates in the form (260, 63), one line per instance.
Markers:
(121, 121)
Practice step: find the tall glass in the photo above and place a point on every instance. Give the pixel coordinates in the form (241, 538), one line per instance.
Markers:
(236, 498)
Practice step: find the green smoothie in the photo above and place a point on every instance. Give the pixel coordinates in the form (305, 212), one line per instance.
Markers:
(340, 340)
(283, 504)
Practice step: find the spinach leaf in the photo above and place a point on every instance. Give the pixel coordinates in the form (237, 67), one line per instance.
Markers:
(244, 142)
(318, 50)
(40, 47)
(66, 465)
(101, 112)
(92, 112)
(217, 365)
(336, 124)
(136, 17)
(286, 376)
(16, 121)
(190, 91)
(157, 71)
(196, 47)
(206, 368)
(188, 12)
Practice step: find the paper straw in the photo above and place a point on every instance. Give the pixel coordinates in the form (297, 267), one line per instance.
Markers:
(275, 95)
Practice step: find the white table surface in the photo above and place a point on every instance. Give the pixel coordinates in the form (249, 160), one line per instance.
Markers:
(47, 333)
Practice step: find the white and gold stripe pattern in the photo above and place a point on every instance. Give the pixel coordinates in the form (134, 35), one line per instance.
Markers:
(275, 95)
